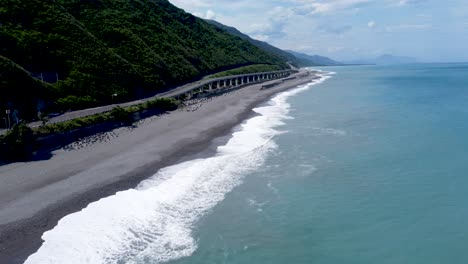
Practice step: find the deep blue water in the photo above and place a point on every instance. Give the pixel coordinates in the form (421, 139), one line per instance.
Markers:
(372, 169)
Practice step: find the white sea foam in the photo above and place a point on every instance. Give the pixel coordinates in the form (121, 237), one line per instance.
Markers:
(153, 223)
(273, 189)
(257, 205)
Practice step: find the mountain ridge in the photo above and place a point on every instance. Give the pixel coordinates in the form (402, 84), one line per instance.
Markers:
(296, 58)
(262, 44)
(321, 60)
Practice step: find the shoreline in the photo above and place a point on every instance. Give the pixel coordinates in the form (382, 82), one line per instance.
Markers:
(31, 204)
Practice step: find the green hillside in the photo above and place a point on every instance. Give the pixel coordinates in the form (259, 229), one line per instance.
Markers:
(86, 51)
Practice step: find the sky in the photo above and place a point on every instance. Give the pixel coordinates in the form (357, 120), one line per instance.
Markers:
(430, 30)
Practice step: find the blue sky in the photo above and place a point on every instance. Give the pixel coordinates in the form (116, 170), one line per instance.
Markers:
(429, 30)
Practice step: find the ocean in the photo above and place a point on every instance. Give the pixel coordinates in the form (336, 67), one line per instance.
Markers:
(367, 165)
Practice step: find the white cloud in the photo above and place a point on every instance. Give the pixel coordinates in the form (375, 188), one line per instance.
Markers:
(409, 2)
(274, 27)
(298, 6)
(335, 49)
(424, 15)
(337, 30)
(209, 14)
(320, 26)
(191, 4)
(407, 27)
(261, 37)
(326, 7)
(402, 2)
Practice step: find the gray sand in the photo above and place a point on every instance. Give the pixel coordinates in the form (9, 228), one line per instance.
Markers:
(35, 195)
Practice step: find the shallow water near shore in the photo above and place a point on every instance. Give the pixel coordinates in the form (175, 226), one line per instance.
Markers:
(366, 167)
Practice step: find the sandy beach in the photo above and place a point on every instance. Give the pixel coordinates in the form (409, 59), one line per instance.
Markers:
(35, 195)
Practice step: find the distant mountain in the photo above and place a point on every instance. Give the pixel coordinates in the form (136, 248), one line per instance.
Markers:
(386, 60)
(295, 58)
(316, 59)
(260, 44)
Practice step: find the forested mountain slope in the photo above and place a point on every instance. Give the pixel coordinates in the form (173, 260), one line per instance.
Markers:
(71, 54)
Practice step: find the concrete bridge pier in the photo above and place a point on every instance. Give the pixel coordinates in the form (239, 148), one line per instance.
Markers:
(200, 91)
(208, 86)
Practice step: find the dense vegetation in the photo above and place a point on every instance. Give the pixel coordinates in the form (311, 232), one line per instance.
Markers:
(58, 55)
(123, 115)
(247, 69)
(17, 86)
(17, 144)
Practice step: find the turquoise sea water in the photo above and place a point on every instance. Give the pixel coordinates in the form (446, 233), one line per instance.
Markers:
(373, 169)
(369, 166)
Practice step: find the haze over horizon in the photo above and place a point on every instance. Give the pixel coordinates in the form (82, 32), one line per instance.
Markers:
(432, 31)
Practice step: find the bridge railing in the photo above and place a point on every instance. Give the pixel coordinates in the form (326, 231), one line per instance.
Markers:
(233, 81)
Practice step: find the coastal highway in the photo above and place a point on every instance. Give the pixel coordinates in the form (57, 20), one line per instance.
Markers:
(97, 110)
(92, 111)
